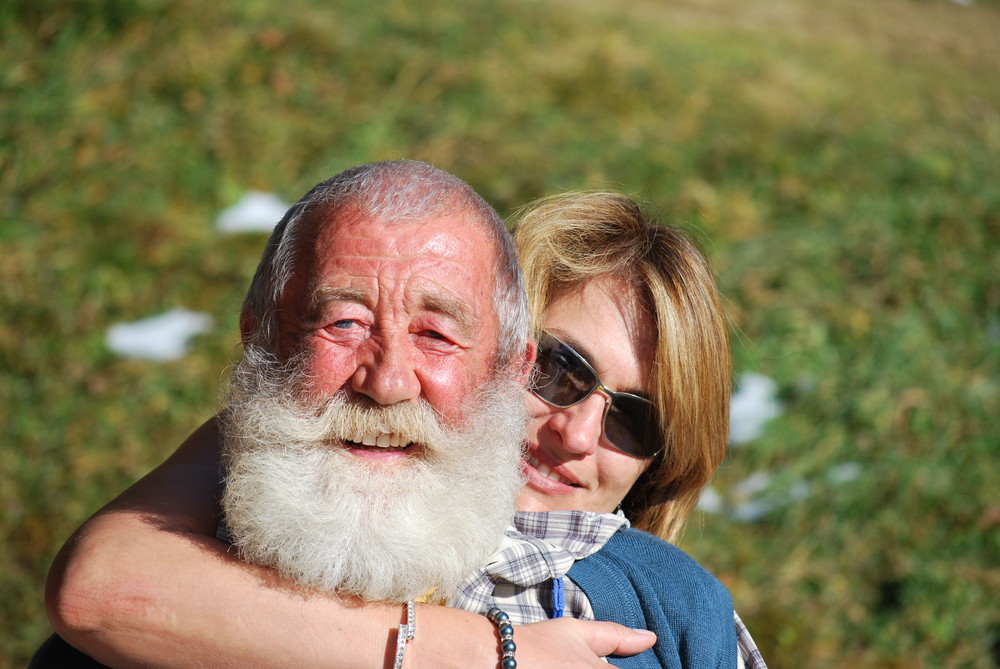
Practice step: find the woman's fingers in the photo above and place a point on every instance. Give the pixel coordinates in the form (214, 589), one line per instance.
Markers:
(566, 642)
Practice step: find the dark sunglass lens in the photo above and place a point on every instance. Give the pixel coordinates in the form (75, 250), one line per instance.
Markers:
(631, 426)
(561, 377)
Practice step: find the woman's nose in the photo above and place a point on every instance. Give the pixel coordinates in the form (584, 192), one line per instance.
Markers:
(581, 426)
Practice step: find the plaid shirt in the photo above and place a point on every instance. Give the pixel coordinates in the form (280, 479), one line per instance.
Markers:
(538, 548)
(542, 546)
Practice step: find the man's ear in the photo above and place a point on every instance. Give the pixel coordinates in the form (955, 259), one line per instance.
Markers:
(248, 326)
(526, 362)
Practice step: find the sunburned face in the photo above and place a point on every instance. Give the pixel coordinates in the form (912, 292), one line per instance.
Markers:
(393, 313)
(396, 424)
(569, 462)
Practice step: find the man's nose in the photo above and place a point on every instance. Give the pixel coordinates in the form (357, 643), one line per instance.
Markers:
(580, 426)
(388, 374)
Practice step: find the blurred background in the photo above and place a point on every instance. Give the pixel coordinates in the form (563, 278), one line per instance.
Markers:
(838, 162)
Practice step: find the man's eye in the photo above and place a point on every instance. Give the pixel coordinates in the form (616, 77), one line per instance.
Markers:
(433, 334)
(343, 324)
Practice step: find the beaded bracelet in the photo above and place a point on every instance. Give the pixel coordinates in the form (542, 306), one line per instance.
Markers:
(406, 633)
(506, 631)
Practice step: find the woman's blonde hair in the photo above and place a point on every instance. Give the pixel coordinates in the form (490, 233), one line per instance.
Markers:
(567, 240)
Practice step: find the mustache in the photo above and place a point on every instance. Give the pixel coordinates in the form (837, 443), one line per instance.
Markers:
(261, 387)
(347, 417)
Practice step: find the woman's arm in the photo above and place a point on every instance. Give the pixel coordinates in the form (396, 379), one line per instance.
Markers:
(144, 583)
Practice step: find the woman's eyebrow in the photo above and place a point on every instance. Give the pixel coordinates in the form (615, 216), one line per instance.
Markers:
(577, 346)
(574, 344)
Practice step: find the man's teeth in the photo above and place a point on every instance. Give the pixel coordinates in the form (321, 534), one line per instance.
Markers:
(546, 471)
(383, 441)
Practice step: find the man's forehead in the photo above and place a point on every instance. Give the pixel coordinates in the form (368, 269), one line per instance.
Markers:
(444, 262)
(438, 235)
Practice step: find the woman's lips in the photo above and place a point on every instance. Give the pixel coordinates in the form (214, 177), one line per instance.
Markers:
(547, 479)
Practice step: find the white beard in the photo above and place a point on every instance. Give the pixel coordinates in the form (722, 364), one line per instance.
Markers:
(297, 501)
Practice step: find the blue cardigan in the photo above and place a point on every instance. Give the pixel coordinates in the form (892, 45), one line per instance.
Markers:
(641, 581)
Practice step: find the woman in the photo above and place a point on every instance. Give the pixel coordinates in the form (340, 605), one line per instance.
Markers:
(630, 404)
(595, 251)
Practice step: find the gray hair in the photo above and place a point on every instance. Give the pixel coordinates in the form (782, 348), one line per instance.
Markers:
(399, 190)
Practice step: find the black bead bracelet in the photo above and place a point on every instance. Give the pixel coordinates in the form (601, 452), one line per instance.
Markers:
(506, 631)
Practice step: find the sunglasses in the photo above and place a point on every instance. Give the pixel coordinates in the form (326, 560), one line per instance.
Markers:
(564, 378)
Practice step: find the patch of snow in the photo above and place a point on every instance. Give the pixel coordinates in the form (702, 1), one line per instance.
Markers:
(752, 406)
(255, 212)
(798, 491)
(163, 337)
(754, 497)
(845, 472)
(752, 485)
(710, 501)
(750, 511)
(748, 503)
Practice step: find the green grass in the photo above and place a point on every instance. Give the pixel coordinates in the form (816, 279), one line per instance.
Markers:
(838, 161)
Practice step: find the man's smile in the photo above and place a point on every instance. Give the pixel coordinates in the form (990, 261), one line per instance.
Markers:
(382, 440)
(380, 446)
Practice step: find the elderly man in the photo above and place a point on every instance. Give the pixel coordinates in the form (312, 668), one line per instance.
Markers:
(371, 448)
(374, 430)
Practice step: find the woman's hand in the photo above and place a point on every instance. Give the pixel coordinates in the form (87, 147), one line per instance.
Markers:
(452, 639)
(566, 642)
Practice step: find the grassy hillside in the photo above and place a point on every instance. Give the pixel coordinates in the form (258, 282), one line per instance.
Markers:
(838, 161)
